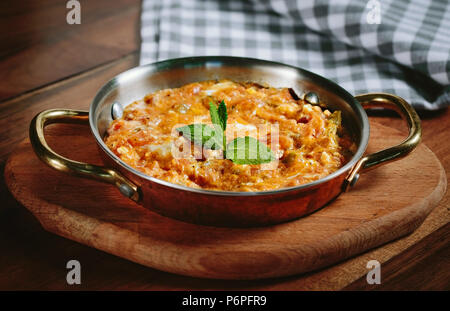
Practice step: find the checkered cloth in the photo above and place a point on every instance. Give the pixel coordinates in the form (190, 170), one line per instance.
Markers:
(400, 47)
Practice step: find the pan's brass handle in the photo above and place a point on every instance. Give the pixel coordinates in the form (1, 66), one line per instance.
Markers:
(405, 110)
(60, 163)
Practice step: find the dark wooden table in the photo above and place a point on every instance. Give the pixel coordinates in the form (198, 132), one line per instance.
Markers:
(46, 63)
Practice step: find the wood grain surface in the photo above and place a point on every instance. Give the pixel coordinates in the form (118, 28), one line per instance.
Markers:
(97, 215)
(31, 258)
(41, 48)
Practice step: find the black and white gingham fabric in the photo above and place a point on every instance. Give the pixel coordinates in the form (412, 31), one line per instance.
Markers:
(405, 49)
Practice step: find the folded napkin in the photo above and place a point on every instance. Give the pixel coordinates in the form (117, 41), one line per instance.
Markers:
(395, 46)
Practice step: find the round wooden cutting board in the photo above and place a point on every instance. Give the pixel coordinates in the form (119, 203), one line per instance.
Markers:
(387, 203)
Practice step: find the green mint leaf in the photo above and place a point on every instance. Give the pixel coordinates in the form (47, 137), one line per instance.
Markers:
(219, 119)
(248, 150)
(223, 115)
(219, 116)
(202, 135)
(215, 119)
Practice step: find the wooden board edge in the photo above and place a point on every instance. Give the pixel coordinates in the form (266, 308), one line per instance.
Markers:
(52, 225)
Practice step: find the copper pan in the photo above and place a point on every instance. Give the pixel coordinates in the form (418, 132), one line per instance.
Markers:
(223, 208)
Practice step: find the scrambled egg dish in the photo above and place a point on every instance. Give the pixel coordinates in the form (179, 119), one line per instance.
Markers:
(308, 142)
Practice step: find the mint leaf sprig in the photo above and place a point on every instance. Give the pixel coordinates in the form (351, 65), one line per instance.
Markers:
(242, 150)
(219, 117)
